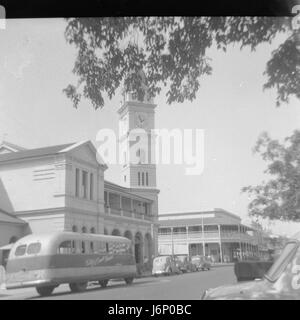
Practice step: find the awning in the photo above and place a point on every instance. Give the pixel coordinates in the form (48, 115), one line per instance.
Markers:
(7, 247)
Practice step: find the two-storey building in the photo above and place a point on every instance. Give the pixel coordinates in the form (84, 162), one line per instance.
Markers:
(216, 233)
(63, 187)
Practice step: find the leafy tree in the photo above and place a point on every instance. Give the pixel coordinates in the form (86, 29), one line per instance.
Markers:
(279, 198)
(172, 52)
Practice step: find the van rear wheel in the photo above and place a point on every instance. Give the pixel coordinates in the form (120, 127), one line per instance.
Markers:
(78, 286)
(45, 291)
(103, 283)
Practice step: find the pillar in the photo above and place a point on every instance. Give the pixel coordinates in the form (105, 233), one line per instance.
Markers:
(203, 240)
(240, 243)
(121, 207)
(172, 241)
(220, 243)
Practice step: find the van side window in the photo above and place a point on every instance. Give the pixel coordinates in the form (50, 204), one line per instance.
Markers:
(20, 251)
(100, 247)
(34, 248)
(65, 247)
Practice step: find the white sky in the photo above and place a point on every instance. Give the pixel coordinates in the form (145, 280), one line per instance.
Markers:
(232, 108)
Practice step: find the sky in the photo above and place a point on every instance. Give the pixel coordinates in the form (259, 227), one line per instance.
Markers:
(231, 107)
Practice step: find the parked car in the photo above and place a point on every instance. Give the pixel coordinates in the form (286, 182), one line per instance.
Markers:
(201, 262)
(164, 265)
(184, 263)
(282, 281)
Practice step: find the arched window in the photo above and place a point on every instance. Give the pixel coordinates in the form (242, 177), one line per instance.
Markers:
(116, 232)
(13, 239)
(74, 229)
(93, 230)
(142, 155)
(83, 230)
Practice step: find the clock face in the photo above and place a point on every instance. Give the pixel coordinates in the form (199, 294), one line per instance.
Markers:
(141, 120)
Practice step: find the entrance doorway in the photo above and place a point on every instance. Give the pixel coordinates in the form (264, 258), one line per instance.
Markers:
(138, 248)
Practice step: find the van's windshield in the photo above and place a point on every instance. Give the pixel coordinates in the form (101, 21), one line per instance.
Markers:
(282, 261)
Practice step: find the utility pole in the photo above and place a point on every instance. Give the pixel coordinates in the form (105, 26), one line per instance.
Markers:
(203, 240)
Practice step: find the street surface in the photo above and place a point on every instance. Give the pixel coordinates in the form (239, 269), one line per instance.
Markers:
(187, 286)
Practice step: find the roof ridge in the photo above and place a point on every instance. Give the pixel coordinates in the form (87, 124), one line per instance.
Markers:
(12, 145)
(11, 215)
(28, 153)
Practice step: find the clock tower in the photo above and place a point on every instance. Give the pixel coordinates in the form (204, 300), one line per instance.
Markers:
(137, 141)
(137, 144)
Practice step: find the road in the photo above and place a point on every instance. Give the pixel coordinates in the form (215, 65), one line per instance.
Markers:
(187, 286)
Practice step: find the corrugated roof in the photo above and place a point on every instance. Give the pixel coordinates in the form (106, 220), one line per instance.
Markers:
(217, 216)
(7, 217)
(33, 152)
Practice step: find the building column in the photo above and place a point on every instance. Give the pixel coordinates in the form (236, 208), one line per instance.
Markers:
(240, 243)
(203, 240)
(121, 207)
(241, 250)
(131, 207)
(108, 202)
(220, 243)
(172, 241)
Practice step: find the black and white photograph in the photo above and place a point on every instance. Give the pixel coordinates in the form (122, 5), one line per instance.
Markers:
(150, 157)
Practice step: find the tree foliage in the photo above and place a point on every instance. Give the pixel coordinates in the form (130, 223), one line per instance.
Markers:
(279, 198)
(172, 52)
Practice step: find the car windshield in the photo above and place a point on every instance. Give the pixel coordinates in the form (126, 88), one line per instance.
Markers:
(282, 261)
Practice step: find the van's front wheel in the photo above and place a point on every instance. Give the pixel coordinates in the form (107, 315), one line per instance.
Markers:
(78, 287)
(45, 291)
(103, 283)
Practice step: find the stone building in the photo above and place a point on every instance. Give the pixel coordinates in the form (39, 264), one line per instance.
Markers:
(63, 187)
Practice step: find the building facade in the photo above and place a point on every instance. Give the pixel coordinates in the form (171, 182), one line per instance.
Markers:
(11, 229)
(215, 233)
(63, 188)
